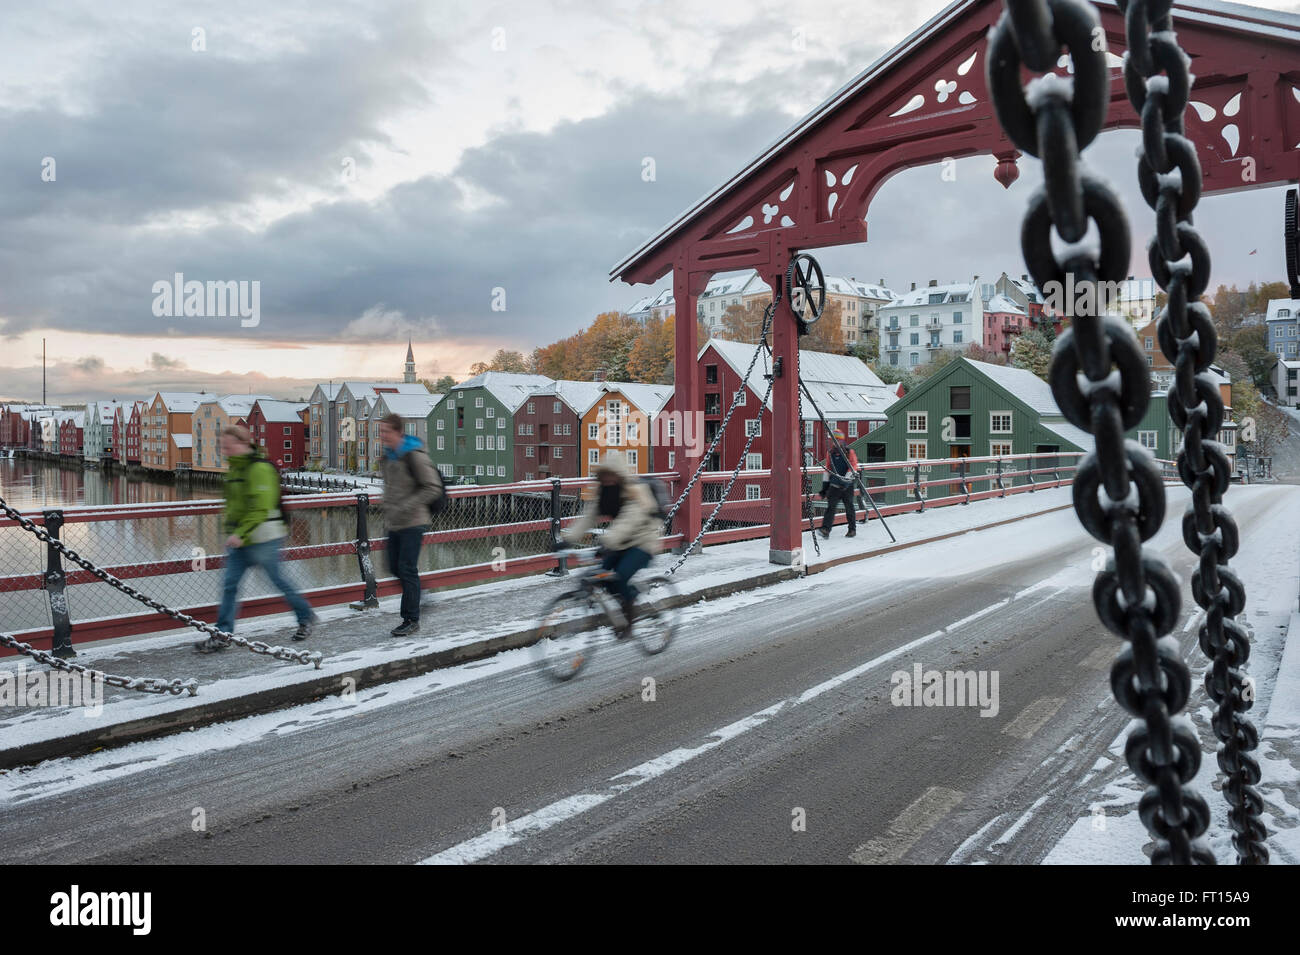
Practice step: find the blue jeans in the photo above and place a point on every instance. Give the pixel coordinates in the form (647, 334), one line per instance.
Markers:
(239, 560)
(403, 553)
(625, 563)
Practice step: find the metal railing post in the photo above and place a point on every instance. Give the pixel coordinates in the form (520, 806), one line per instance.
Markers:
(55, 584)
(1001, 487)
(916, 484)
(961, 471)
(364, 561)
(1031, 475)
(561, 568)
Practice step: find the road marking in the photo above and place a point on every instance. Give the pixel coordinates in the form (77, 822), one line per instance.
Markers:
(1033, 716)
(980, 613)
(1099, 659)
(910, 825)
(489, 843)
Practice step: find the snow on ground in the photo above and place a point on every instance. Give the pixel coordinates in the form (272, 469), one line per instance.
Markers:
(1267, 565)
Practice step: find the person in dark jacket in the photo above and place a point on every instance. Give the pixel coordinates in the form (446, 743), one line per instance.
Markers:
(254, 527)
(838, 485)
(411, 487)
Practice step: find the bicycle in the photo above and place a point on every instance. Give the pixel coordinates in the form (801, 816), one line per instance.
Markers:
(587, 614)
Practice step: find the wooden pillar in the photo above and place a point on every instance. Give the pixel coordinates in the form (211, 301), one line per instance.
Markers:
(687, 287)
(785, 433)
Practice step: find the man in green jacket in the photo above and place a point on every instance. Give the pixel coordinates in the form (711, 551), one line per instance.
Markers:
(254, 527)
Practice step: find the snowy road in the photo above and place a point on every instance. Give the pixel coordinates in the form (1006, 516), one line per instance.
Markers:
(771, 736)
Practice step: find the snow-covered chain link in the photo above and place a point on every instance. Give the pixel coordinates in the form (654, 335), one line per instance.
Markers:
(140, 684)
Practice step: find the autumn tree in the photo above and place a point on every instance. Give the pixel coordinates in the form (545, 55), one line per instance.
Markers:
(826, 334)
(1263, 427)
(894, 374)
(1032, 351)
(1251, 343)
(744, 323)
(441, 386)
(977, 352)
(651, 357)
(939, 361)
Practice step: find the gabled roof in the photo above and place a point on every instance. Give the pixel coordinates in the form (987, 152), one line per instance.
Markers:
(183, 440)
(329, 390)
(1021, 384)
(578, 395)
(364, 389)
(1290, 304)
(1002, 304)
(182, 402)
(649, 398)
(280, 411)
(842, 385)
(918, 298)
(235, 405)
(1073, 433)
(507, 387)
(409, 406)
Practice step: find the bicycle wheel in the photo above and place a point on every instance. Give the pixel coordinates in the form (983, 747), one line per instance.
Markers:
(571, 626)
(657, 615)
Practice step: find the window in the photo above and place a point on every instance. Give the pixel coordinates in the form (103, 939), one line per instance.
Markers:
(442, 424)
(593, 431)
(501, 442)
(713, 403)
(853, 429)
(956, 337)
(914, 320)
(1149, 343)
(916, 450)
(478, 443)
(501, 470)
(956, 318)
(1000, 422)
(753, 462)
(478, 470)
(442, 443)
(478, 402)
(528, 452)
(566, 429)
(531, 408)
(593, 456)
(916, 339)
(558, 452)
(740, 398)
(521, 427)
(918, 422)
(632, 458)
(753, 426)
(1150, 362)
(710, 374)
(809, 433)
(893, 359)
(528, 476)
(287, 430)
(555, 407)
(288, 446)
(501, 423)
(614, 422)
(632, 433)
(491, 412)
(753, 492)
(1149, 439)
(672, 459)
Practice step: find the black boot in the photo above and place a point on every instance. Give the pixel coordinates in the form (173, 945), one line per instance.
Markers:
(853, 531)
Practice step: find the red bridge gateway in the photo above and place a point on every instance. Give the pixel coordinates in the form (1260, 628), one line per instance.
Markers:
(923, 102)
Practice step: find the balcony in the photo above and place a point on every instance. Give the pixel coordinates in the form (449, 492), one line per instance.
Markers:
(891, 347)
(931, 346)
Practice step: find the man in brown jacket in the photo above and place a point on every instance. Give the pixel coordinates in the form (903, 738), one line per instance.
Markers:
(411, 487)
(632, 537)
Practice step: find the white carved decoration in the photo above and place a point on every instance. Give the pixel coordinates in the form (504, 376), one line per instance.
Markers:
(834, 197)
(744, 224)
(943, 89)
(913, 104)
(769, 211)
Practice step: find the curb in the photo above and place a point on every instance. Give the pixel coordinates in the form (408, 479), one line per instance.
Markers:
(295, 694)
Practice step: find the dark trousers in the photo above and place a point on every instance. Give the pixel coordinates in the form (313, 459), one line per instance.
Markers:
(404, 563)
(625, 563)
(833, 497)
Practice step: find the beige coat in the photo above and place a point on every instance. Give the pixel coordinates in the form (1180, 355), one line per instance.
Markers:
(636, 524)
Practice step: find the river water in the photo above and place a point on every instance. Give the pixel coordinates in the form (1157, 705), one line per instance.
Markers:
(31, 485)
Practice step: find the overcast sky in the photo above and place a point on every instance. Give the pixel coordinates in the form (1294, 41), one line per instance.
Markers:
(380, 168)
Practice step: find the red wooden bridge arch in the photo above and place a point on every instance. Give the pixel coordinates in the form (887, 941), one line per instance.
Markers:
(923, 102)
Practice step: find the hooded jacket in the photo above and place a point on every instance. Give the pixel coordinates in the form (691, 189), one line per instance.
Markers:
(252, 493)
(410, 486)
(636, 524)
(838, 469)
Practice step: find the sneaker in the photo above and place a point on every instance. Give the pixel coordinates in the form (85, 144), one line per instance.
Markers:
(210, 645)
(826, 535)
(304, 629)
(406, 628)
(853, 532)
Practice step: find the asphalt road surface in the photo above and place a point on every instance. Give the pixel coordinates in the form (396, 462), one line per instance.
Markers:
(771, 737)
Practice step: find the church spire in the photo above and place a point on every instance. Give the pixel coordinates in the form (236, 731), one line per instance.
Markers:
(408, 376)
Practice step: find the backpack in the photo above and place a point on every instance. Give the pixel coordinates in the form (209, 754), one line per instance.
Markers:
(660, 495)
(440, 502)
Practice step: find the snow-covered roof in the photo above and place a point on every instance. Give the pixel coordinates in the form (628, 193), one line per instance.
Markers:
(841, 385)
(183, 440)
(649, 398)
(1276, 306)
(642, 304)
(1023, 384)
(78, 418)
(1028, 289)
(1002, 304)
(329, 390)
(921, 296)
(507, 387)
(234, 405)
(281, 411)
(368, 389)
(182, 402)
(578, 395)
(1072, 433)
(409, 406)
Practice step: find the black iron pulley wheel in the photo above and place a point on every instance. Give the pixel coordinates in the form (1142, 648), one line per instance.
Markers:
(807, 285)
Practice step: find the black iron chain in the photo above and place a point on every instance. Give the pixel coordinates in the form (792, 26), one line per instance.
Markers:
(279, 653)
(1100, 381)
(1158, 79)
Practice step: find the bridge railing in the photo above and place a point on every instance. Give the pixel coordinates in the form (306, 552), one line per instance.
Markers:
(336, 543)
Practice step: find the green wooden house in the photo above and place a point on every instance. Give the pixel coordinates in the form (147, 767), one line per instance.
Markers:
(471, 432)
